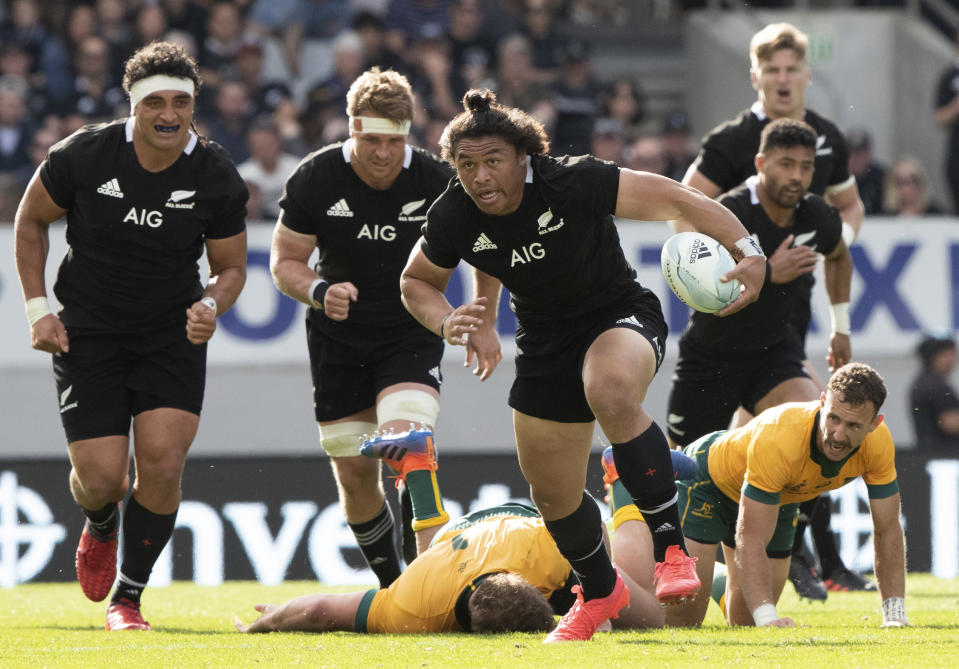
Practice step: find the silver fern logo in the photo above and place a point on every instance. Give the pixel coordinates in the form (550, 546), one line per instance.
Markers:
(64, 397)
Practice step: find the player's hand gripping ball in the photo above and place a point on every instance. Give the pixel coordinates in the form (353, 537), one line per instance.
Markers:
(693, 264)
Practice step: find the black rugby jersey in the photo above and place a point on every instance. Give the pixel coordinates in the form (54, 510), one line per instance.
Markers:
(558, 254)
(771, 318)
(135, 236)
(727, 153)
(364, 235)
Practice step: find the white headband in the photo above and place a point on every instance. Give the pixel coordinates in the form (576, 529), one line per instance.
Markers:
(378, 126)
(159, 82)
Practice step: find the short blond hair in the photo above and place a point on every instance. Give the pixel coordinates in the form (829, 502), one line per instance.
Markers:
(775, 37)
(386, 93)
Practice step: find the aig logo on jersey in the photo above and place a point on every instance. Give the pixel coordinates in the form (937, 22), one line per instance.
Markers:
(528, 253)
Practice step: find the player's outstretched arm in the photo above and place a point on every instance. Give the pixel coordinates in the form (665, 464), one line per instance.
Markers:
(328, 612)
(890, 558)
(754, 529)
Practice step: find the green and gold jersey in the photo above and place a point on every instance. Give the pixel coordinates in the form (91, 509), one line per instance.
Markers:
(773, 459)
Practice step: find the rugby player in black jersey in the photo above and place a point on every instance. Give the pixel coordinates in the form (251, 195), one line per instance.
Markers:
(754, 358)
(143, 197)
(361, 204)
(780, 75)
(589, 337)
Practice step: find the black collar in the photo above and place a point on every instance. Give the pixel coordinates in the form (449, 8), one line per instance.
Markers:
(462, 608)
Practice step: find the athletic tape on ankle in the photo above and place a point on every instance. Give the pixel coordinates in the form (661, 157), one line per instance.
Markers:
(414, 406)
(342, 440)
(893, 610)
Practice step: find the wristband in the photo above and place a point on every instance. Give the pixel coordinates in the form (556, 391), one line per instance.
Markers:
(443, 324)
(749, 247)
(848, 233)
(765, 614)
(210, 303)
(37, 308)
(840, 318)
(894, 612)
(318, 292)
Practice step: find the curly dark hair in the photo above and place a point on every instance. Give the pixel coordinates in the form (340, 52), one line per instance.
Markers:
(160, 58)
(507, 602)
(484, 117)
(857, 383)
(786, 133)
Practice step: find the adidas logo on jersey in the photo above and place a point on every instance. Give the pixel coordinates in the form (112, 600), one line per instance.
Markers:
(483, 243)
(631, 320)
(111, 188)
(665, 527)
(435, 373)
(341, 208)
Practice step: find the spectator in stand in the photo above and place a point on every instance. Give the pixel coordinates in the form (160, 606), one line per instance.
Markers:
(81, 22)
(96, 93)
(16, 60)
(186, 15)
(230, 121)
(676, 143)
(473, 50)
(408, 20)
(574, 95)
(25, 25)
(40, 143)
(268, 167)
(348, 58)
(608, 141)
(183, 39)
(296, 21)
(11, 190)
(372, 32)
(539, 26)
(433, 78)
(225, 31)
(870, 174)
(947, 116)
(517, 83)
(265, 96)
(115, 27)
(647, 154)
(149, 25)
(623, 99)
(16, 126)
(933, 402)
(906, 191)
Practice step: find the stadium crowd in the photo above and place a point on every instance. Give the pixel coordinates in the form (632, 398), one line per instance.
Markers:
(275, 74)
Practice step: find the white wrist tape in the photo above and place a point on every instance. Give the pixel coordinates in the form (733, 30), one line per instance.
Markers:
(37, 308)
(209, 302)
(313, 302)
(893, 611)
(848, 233)
(840, 318)
(765, 614)
(749, 247)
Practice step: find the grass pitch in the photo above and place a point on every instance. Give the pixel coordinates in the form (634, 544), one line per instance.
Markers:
(53, 625)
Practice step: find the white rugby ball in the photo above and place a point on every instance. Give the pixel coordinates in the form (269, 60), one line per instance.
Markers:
(693, 264)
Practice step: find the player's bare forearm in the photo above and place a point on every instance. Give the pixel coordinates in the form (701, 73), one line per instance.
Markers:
(307, 613)
(890, 547)
(422, 286)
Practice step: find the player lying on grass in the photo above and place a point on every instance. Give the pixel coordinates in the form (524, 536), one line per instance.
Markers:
(493, 570)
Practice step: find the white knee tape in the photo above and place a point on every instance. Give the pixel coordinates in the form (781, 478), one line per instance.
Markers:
(341, 440)
(414, 406)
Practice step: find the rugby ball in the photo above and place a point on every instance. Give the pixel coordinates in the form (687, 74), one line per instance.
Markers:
(693, 264)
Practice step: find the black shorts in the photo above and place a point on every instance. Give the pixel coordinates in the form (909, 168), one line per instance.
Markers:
(349, 372)
(706, 389)
(106, 379)
(549, 356)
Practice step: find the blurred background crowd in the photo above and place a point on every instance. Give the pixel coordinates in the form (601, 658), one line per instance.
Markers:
(276, 72)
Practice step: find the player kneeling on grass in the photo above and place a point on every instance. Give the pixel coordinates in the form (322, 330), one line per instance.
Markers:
(751, 480)
(494, 570)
